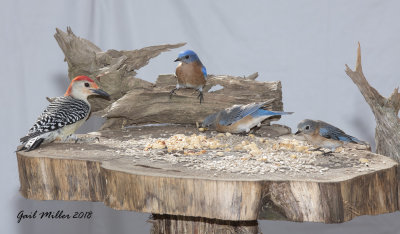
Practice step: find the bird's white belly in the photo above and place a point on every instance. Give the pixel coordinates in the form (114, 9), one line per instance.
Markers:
(331, 144)
(180, 85)
(69, 129)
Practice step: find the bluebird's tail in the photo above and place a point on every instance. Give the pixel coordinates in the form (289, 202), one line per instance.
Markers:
(356, 140)
(267, 112)
(351, 139)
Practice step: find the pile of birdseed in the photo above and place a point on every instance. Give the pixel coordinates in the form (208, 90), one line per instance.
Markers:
(248, 155)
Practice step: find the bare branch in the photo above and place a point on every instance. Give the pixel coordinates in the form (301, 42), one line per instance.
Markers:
(387, 132)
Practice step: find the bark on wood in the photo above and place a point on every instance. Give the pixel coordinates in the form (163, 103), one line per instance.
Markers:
(135, 101)
(386, 110)
(133, 182)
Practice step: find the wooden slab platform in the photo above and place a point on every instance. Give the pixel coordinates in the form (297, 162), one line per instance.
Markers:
(232, 178)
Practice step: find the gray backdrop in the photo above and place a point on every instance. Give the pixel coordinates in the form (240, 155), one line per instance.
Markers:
(305, 44)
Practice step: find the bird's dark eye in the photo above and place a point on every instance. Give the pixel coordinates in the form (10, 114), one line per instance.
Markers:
(187, 56)
(307, 127)
(87, 85)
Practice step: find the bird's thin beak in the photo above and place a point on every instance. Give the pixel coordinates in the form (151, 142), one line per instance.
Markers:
(100, 92)
(178, 59)
(298, 132)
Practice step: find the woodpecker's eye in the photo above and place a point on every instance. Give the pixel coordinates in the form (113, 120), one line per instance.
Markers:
(307, 127)
(87, 85)
(187, 56)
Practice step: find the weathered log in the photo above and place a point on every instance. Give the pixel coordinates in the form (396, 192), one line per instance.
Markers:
(153, 105)
(385, 110)
(122, 173)
(135, 101)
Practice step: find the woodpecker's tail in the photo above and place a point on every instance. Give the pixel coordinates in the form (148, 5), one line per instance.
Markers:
(31, 144)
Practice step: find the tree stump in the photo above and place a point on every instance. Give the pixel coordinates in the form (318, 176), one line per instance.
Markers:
(128, 171)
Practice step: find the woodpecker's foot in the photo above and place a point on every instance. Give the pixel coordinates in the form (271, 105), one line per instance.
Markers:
(87, 139)
(74, 139)
(172, 93)
(70, 139)
(200, 96)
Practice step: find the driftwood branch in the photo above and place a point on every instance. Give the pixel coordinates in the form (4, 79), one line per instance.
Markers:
(114, 70)
(387, 131)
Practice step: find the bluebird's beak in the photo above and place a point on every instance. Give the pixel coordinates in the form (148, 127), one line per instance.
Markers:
(100, 92)
(178, 59)
(298, 132)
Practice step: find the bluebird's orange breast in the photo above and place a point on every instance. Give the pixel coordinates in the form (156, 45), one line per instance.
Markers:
(190, 75)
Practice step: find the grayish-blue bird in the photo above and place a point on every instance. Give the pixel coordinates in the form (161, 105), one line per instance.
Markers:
(325, 135)
(240, 118)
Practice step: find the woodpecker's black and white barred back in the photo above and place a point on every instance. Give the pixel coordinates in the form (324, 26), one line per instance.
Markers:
(64, 115)
(61, 112)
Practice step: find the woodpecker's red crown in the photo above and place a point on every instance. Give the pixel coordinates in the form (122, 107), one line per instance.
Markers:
(82, 86)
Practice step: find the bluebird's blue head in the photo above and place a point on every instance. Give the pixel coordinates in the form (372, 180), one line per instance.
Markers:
(187, 56)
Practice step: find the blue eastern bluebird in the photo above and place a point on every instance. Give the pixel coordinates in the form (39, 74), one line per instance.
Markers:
(190, 72)
(324, 135)
(240, 118)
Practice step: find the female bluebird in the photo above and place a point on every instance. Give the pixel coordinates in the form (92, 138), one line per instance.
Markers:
(190, 72)
(240, 118)
(324, 135)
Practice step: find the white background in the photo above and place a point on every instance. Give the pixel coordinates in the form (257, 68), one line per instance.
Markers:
(305, 44)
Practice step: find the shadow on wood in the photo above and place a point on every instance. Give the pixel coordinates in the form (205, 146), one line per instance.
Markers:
(194, 225)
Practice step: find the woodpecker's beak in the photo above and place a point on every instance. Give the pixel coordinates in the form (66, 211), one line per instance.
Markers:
(178, 59)
(100, 92)
(298, 132)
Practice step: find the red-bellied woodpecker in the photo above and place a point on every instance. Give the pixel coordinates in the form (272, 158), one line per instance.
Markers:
(64, 115)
